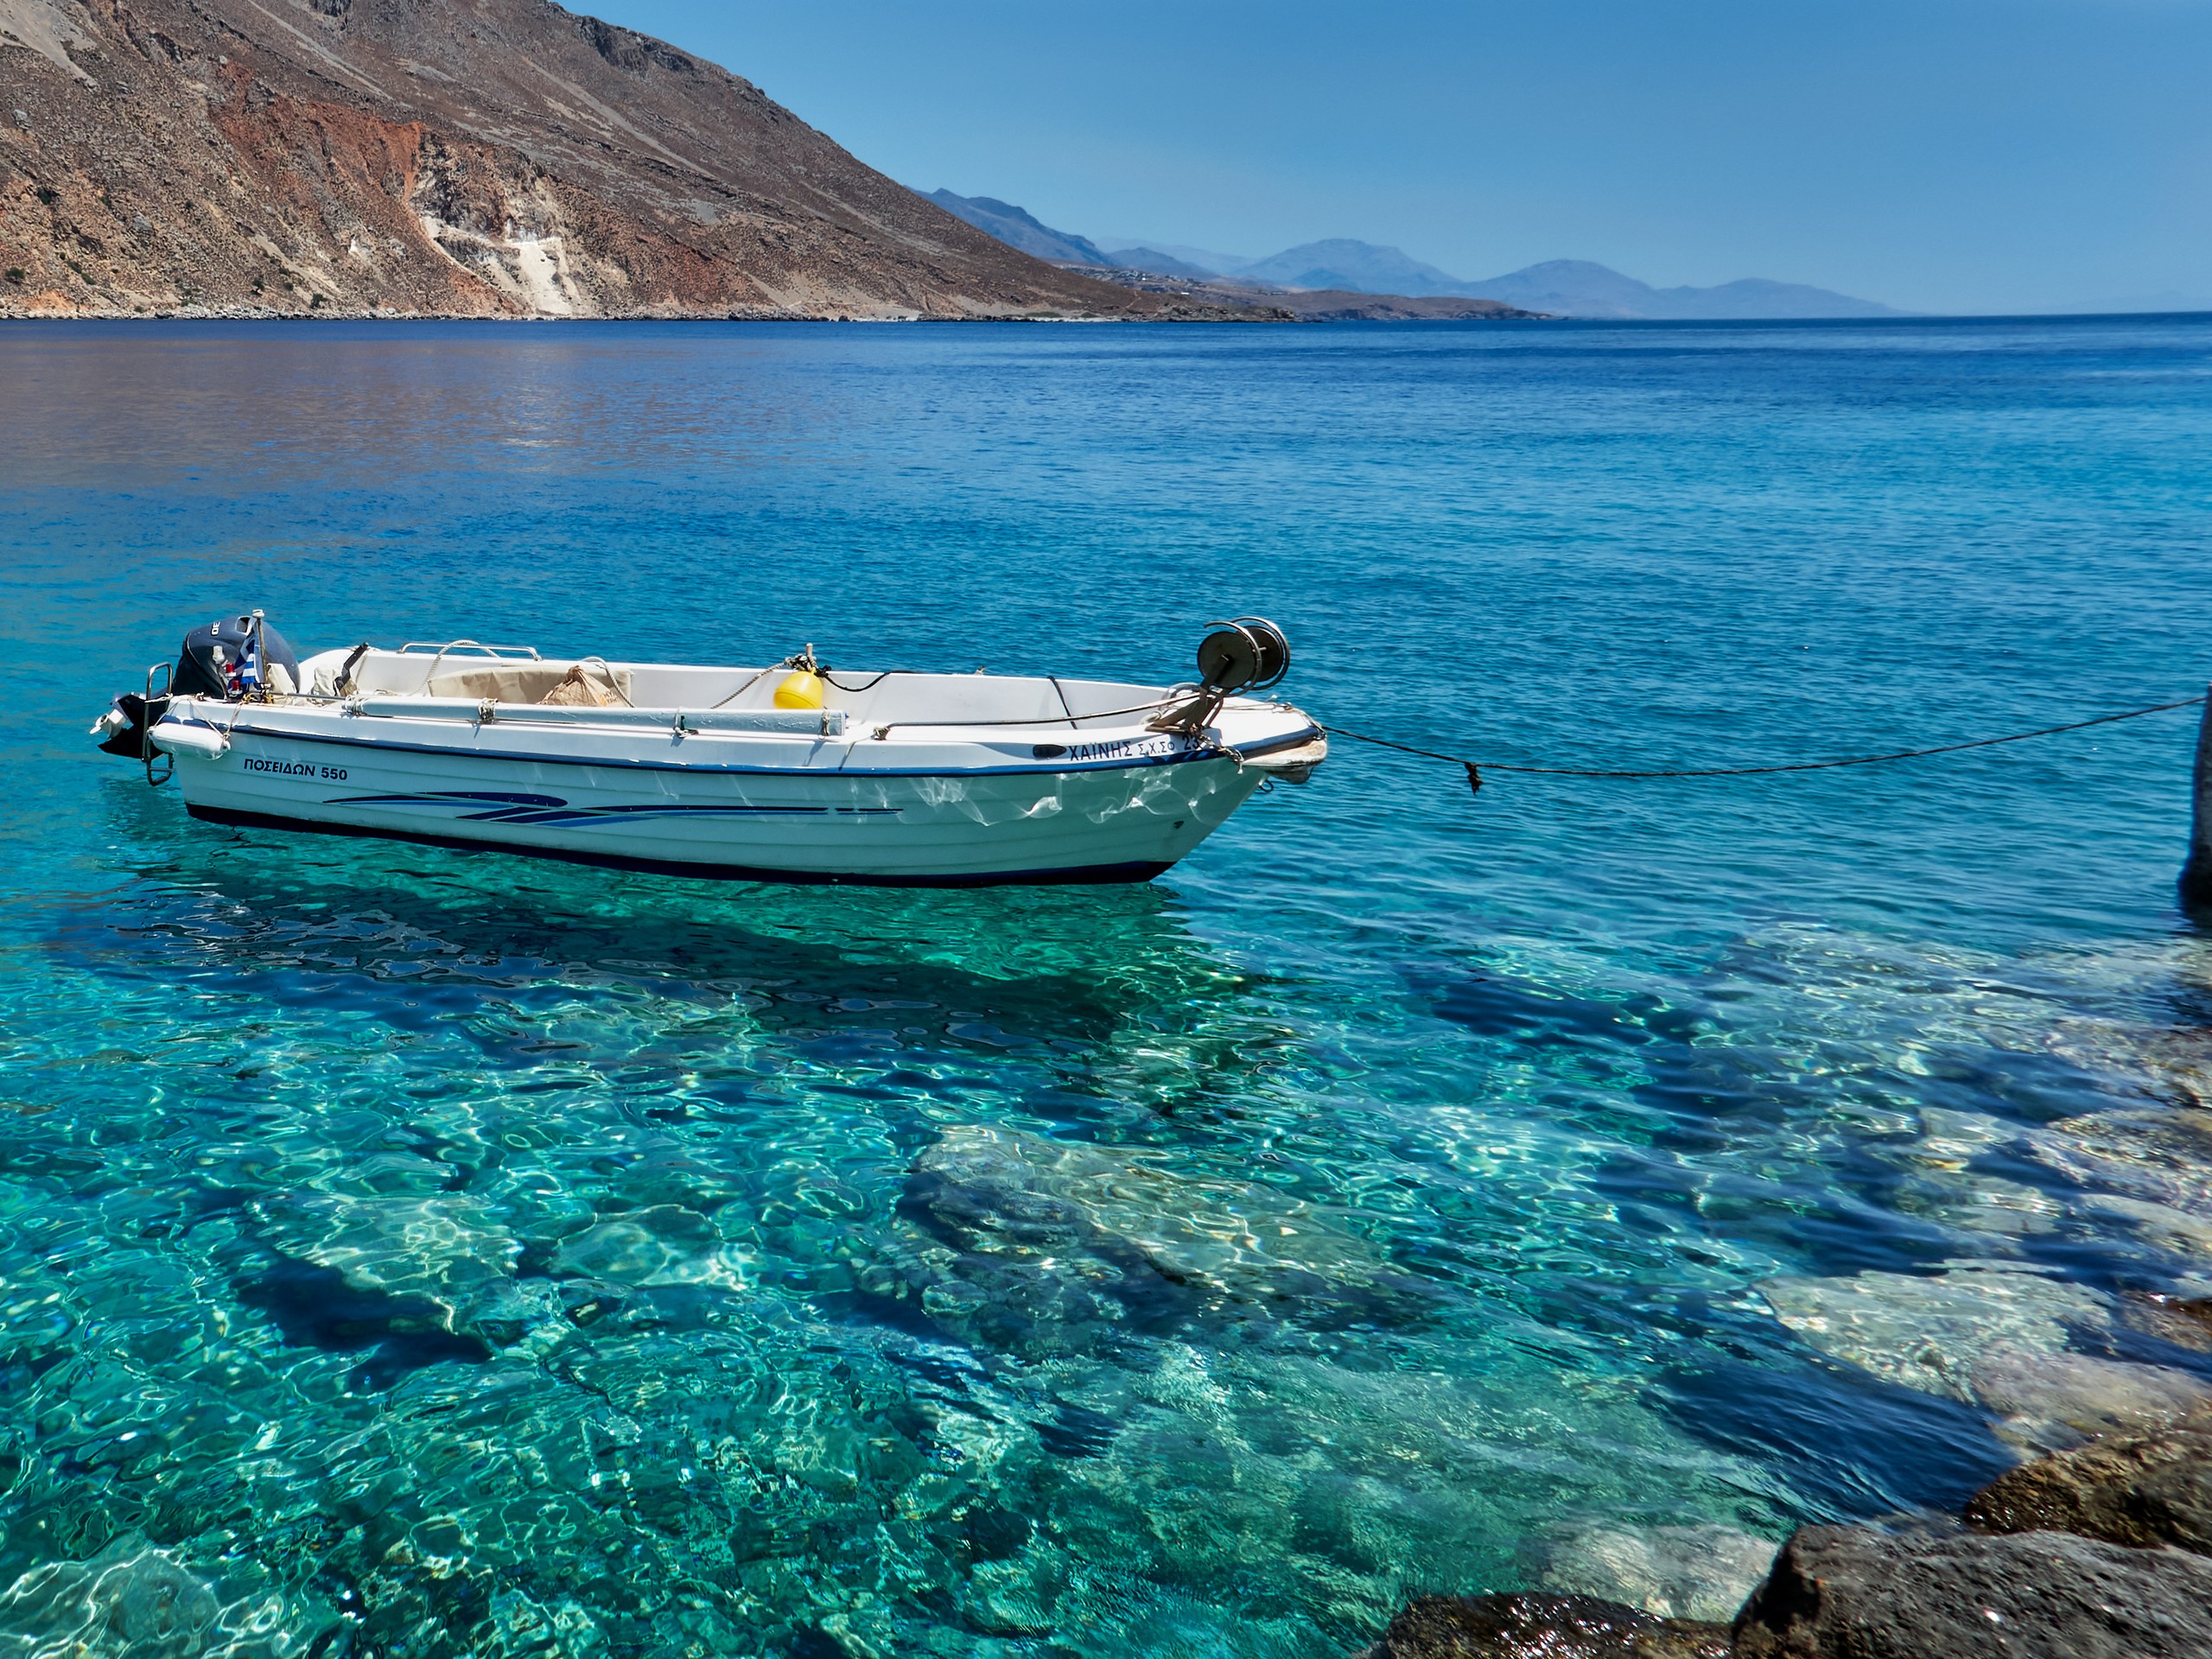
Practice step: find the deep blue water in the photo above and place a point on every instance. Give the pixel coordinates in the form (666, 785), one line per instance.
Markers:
(409, 1252)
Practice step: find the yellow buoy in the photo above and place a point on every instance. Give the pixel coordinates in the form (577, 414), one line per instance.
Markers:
(802, 690)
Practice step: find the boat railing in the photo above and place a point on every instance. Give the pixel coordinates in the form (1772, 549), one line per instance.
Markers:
(797, 722)
(441, 647)
(415, 647)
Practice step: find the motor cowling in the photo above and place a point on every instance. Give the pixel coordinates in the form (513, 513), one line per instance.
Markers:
(231, 657)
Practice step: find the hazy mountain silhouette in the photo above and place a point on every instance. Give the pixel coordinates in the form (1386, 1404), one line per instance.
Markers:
(1563, 288)
(1018, 228)
(1363, 267)
(1192, 259)
(1577, 288)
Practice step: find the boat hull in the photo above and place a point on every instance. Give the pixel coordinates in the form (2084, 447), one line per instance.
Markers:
(769, 809)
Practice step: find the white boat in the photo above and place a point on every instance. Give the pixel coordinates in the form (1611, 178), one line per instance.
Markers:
(788, 772)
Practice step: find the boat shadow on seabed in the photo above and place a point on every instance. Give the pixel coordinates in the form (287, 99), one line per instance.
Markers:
(1064, 981)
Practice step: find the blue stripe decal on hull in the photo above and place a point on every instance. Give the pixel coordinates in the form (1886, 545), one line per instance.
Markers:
(552, 809)
(1086, 875)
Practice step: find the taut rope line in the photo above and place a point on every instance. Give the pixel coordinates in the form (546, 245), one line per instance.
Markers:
(1475, 776)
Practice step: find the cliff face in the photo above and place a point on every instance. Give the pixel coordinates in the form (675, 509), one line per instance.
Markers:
(450, 157)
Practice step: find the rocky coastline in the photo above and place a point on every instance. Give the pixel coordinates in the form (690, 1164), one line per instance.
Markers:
(34, 311)
(1271, 302)
(2099, 1550)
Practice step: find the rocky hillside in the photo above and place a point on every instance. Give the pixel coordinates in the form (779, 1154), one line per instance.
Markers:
(466, 158)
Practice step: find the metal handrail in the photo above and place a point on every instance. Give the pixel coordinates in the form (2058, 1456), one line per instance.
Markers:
(530, 652)
(465, 645)
(146, 750)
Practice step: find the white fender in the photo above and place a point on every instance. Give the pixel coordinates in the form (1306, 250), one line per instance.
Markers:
(175, 737)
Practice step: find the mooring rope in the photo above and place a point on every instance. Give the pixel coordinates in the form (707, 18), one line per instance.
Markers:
(1475, 768)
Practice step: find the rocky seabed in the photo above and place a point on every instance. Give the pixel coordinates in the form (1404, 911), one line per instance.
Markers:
(2098, 1546)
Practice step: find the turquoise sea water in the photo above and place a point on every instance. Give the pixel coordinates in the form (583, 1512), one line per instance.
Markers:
(404, 1252)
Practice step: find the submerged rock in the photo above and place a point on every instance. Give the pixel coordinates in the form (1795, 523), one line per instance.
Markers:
(1238, 1238)
(2164, 1158)
(1852, 1592)
(1993, 1338)
(1542, 1627)
(442, 1245)
(446, 1256)
(1696, 1572)
(2140, 1491)
(1947, 1186)
(1928, 1332)
(1040, 1245)
(2161, 1226)
(2174, 1063)
(2104, 1552)
(2054, 1401)
(664, 1244)
(2185, 1321)
(135, 1600)
(1982, 1204)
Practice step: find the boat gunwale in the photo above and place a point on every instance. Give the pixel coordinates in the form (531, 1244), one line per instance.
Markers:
(1041, 766)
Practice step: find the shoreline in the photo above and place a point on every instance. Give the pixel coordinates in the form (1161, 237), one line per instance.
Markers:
(225, 314)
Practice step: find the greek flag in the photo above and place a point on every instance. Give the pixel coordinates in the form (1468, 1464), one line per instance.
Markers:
(243, 674)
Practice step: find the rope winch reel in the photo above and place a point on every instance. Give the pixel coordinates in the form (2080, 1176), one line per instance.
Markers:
(1248, 654)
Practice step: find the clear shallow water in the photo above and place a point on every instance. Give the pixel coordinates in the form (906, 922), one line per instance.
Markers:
(404, 1252)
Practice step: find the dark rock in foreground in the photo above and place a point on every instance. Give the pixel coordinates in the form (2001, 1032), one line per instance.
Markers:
(2101, 1553)
(1852, 1592)
(1542, 1627)
(2141, 1491)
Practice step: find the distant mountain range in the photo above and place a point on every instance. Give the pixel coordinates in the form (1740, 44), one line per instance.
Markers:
(1566, 288)
(1576, 288)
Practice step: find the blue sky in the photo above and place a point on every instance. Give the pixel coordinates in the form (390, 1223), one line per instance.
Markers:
(1941, 155)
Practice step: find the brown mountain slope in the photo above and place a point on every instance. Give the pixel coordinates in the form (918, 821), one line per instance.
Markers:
(450, 157)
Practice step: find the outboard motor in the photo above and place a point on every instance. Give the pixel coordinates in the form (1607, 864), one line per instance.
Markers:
(123, 730)
(229, 660)
(232, 657)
